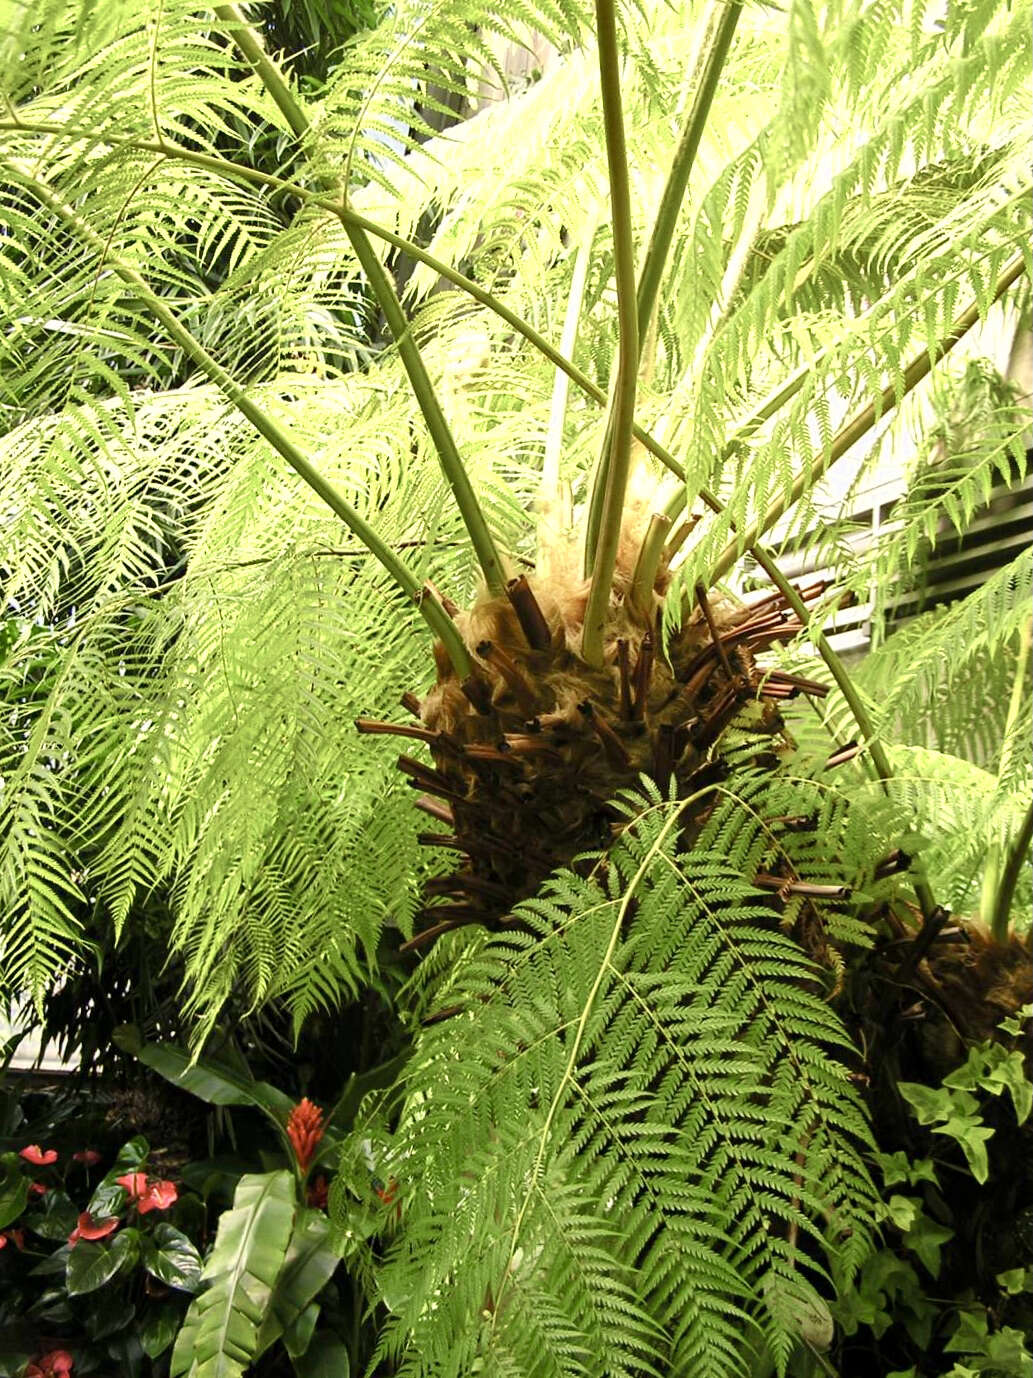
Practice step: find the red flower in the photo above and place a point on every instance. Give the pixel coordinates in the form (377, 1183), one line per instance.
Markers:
(16, 1236)
(88, 1228)
(38, 1188)
(148, 1193)
(387, 1194)
(318, 1193)
(38, 1157)
(55, 1364)
(159, 1196)
(305, 1129)
(87, 1156)
(135, 1184)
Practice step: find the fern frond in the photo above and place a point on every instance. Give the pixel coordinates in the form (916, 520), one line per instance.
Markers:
(650, 1059)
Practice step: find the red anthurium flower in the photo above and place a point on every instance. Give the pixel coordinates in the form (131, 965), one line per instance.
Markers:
(148, 1193)
(305, 1129)
(88, 1228)
(55, 1364)
(38, 1157)
(87, 1156)
(158, 1196)
(135, 1183)
(16, 1236)
(38, 1188)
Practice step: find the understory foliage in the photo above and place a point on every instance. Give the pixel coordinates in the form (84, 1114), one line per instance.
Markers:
(631, 1137)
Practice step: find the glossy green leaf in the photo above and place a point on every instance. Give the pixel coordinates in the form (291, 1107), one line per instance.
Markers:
(170, 1256)
(108, 1313)
(308, 1267)
(216, 1082)
(14, 1189)
(57, 1216)
(326, 1357)
(90, 1266)
(158, 1326)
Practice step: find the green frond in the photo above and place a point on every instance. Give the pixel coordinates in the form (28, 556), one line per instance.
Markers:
(651, 1060)
(922, 671)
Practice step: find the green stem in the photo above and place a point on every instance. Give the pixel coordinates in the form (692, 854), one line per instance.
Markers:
(553, 499)
(433, 613)
(992, 873)
(561, 386)
(623, 415)
(847, 688)
(250, 45)
(440, 433)
(859, 425)
(681, 167)
(660, 242)
(347, 216)
(643, 581)
(1017, 857)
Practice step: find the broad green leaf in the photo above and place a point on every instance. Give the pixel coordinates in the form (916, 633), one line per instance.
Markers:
(298, 1337)
(90, 1266)
(108, 1313)
(343, 1112)
(170, 1256)
(108, 1197)
(326, 1357)
(308, 1267)
(126, 1248)
(14, 1190)
(216, 1082)
(56, 1262)
(57, 1216)
(219, 1338)
(158, 1326)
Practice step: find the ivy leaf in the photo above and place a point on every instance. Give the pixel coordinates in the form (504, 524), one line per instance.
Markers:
(959, 1109)
(928, 1103)
(902, 1210)
(925, 1238)
(971, 1134)
(897, 1168)
(1015, 1281)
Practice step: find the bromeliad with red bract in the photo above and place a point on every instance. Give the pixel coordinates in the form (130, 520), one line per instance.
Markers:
(305, 1129)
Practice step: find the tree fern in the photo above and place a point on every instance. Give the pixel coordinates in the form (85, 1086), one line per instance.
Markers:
(206, 604)
(645, 1152)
